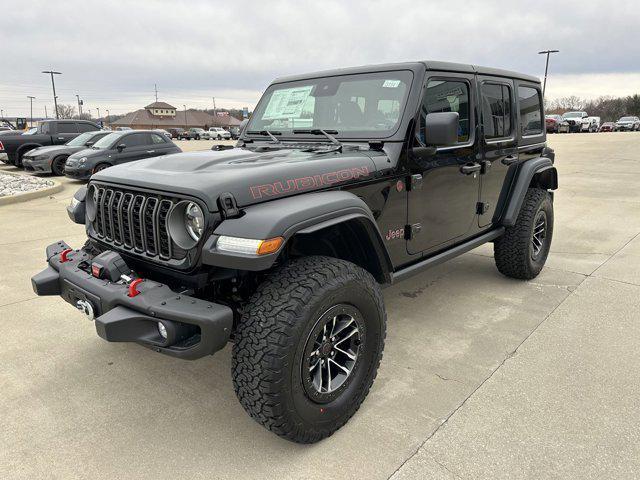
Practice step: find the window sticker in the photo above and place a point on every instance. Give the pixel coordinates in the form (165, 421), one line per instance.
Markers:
(391, 84)
(287, 103)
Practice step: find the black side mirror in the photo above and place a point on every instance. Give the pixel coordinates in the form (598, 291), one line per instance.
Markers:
(441, 129)
(121, 147)
(88, 144)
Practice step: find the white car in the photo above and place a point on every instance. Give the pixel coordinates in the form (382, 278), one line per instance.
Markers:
(218, 133)
(590, 124)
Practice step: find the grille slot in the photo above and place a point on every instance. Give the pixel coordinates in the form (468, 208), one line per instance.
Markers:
(135, 221)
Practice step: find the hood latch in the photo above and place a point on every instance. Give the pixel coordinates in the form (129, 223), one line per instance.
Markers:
(228, 206)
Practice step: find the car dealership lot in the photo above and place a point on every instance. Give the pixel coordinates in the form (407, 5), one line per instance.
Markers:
(483, 376)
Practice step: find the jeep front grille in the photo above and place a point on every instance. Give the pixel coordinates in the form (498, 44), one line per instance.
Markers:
(135, 221)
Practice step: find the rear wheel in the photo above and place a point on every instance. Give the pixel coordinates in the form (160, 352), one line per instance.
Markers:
(523, 249)
(57, 165)
(308, 346)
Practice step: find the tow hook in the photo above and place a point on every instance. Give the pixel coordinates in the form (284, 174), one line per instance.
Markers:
(85, 307)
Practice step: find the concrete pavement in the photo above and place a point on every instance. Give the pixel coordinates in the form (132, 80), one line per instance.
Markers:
(483, 376)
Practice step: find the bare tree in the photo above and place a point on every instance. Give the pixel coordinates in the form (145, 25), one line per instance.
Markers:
(66, 111)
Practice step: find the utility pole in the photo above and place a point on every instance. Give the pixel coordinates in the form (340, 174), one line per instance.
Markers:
(1, 113)
(79, 105)
(108, 115)
(546, 67)
(46, 115)
(53, 84)
(98, 109)
(31, 102)
(185, 117)
(155, 87)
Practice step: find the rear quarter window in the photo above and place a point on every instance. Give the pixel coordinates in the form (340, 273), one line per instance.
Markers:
(530, 109)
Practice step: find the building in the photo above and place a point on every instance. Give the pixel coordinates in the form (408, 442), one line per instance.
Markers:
(163, 115)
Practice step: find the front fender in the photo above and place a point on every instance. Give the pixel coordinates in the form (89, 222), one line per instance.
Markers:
(303, 214)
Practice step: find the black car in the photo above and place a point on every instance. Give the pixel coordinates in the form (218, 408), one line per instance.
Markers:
(48, 132)
(342, 183)
(117, 148)
(52, 159)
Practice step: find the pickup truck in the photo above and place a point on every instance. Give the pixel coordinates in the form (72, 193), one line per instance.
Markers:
(49, 132)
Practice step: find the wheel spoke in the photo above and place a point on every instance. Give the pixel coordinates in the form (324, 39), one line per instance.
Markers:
(343, 327)
(350, 355)
(351, 334)
(328, 376)
(344, 369)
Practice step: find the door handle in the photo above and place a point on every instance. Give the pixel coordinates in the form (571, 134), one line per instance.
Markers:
(510, 159)
(470, 168)
(151, 151)
(60, 138)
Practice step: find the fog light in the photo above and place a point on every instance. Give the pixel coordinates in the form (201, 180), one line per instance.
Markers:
(162, 330)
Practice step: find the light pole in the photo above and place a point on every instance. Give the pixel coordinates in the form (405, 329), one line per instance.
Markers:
(185, 117)
(98, 110)
(108, 115)
(79, 105)
(31, 102)
(546, 67)
(53, 84)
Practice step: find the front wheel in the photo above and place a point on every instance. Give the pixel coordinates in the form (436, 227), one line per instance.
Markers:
(523, 249)
(308, 346)
(100, 167)
(57, 166)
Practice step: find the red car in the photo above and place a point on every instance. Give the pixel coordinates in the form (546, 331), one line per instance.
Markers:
(556, 124)
(607, 127)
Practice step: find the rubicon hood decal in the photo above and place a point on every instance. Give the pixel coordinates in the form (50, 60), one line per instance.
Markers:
(307, 183)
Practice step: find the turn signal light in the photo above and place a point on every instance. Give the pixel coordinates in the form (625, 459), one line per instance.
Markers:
(270, 246)
(249, 246)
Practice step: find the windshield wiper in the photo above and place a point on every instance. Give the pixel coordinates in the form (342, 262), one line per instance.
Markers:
(266, 132)
(319, 131)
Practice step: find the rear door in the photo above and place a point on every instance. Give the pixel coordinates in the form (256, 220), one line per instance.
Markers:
(499, 145)
(158, 145)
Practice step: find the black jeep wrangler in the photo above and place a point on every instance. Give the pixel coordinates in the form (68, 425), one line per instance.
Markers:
(342, 182)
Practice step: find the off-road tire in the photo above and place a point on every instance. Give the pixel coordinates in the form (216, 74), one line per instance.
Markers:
(513, 251)
(270, 340)
(57, 165)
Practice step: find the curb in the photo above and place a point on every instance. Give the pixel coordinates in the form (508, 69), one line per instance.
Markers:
(23, 197)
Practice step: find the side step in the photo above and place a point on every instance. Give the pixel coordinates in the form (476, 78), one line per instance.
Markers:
(442, 257)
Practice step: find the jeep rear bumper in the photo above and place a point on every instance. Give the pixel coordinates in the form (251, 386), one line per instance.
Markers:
(195, 328)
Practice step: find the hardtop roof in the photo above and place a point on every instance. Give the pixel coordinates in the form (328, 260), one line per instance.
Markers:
(428, 64)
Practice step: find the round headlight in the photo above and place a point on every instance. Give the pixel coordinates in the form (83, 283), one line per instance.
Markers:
(194, 221)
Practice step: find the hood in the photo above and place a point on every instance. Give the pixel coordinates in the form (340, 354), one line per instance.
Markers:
(52, 150)
(86, 152)
(252, 177)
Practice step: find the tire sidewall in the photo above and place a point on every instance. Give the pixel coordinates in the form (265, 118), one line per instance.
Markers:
(305, 409)
(544, 204)
(55, 161)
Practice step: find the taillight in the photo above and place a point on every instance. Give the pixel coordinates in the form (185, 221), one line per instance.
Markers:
(1, 147)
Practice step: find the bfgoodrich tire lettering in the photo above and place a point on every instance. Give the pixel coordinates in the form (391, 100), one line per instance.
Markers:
(271, 346)
(523, 249)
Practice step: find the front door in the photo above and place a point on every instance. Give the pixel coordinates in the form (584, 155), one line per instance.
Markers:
(500, 151)
(136, 146)
(445, 187)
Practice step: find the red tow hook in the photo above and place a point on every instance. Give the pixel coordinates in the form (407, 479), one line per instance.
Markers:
(63, 255)
(133, 290)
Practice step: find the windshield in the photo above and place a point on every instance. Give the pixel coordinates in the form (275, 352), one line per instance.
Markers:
(80, 140)
(573, 114)
(626, 119)
(363, 105)
(31, 131)
(106, 141)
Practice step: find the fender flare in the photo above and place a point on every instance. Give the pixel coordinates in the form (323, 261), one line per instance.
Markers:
(539, 172)
(288, 217)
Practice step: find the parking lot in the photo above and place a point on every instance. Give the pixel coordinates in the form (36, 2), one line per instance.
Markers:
(482, 377)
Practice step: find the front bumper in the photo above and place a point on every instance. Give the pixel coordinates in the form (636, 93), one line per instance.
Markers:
(80, 172)
(32, 165)
(196, 327)
(4, 158)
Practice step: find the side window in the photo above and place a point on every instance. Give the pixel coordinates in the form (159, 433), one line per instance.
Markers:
(67, 127)
(155, 138)
(447, 96)
(530, 111)
(134, 140)
(86, 127)
(496, 110)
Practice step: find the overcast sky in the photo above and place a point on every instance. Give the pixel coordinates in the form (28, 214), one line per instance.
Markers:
(112, 52)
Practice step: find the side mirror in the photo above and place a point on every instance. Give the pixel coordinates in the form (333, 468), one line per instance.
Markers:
(88, 144)
(121, 147)
(441, 129)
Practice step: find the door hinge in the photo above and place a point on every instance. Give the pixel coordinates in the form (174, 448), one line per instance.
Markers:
(486, 165)
(415, 182)
(482, 208)
(410, 231)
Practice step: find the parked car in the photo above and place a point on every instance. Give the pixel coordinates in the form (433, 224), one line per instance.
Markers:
(123, 129)
(53, 158)
(175, 132)
(234, 132)
(186, 135)
(48, 132)
(590, 124)
(164, 132)
(285, 243)
(118, 148)
(608, 127)
(575, 120)
(628, 124)
(556, 124)
(218, 133)
(198, 133)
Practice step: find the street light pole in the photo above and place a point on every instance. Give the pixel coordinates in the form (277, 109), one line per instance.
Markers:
(185, 117)
(79, 105)
(546, 67)
(31, 102)
(53, 84)
(108, 115)
(98, 110)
